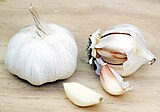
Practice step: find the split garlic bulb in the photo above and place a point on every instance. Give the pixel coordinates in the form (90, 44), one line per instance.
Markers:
(42, 53)
(121, 49)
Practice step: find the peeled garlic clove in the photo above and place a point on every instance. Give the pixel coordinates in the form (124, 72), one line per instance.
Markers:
(81, 95)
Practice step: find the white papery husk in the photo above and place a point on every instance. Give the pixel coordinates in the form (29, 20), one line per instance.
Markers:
(41, 53)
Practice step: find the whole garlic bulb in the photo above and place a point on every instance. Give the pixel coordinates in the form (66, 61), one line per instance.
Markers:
(42, 53)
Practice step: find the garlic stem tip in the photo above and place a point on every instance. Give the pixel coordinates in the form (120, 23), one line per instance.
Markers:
(153, 61)
(30, 6)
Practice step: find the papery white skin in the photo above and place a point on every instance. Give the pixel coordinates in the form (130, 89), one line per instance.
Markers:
(134, 46)
(81, 95)
(38, 57)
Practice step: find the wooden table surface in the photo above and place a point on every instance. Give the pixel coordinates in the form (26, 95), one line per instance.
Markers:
(82, 17)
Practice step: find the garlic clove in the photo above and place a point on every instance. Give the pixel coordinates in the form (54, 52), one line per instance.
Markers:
(116, 42)
(112, 82)
(131, 65)
(113, 48)
(81, 95)
(112, 57)
(113, 61)
(125, 29)
(139, 56)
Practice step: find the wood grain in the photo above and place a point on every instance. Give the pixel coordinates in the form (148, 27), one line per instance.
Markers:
(82, 18)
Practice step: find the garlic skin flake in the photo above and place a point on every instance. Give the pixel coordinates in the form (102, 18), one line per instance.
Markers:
(122, 47)
(81, 95)
(42, 53)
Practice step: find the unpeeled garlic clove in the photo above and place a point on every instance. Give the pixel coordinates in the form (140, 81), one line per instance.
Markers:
(111, 81)
(81, 95)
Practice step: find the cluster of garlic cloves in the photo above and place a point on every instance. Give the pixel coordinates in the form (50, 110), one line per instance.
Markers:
(119, 51)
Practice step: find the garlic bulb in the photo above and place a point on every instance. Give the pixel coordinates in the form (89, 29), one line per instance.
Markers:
(121, 48)
(81, 95)
(41, 53)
